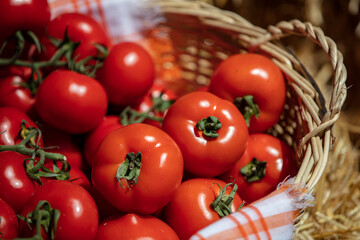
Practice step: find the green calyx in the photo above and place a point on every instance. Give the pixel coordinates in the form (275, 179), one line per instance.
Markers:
(209, 126)
(42, 216)
(222, 203)
(254, 170)
(247, 107)
(130, 169)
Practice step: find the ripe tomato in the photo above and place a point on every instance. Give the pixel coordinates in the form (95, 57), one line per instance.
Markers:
(13, 93)
(266, 162)
(10, 125)
(253, 75)
(71, 102)
(32, 15)
(78, 213)
(94, 138)
(216, 148)
(133, 226)
(8, 221)
(190, 209)
(80, 28)
(137, 168)
(16, 187)
(127, 74)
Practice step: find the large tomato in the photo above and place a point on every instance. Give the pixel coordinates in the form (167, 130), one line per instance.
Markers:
(127, 74)
(246, 78)
(8, 221)
(193, 208)
(266, 162)
(210, 131)
(71, 102)
(16, 187)
(32, 15)
(133, 226)
(78, 213)
(80, 28)
(137, 168)
(94, 138)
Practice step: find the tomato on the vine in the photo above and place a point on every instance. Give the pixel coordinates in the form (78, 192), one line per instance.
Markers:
(266, 162)
(194, 207)
(134, 226)
(255, 84)
(71, 102)
(8, 221)
(210, 131)
(127, 74)
(137, 168)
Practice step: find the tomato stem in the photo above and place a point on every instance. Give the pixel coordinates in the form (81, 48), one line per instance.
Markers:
(247, 107)
(254, 170)
(130, 169)
(209, 126)
(222, 203)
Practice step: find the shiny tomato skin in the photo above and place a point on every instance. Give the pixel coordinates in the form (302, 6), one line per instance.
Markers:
(71, 102)
(160, 175)
(8, 221)
(94, 138)
(133, 226)
(281, 163)
(79, 214)
(252, 74)
(30, 15)
(80, 28)
(127, 74)
(205, 156)
(189, 210)
(10, 125)
(16, 187)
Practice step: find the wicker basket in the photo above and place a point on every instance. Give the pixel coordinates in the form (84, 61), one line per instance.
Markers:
(202, 36)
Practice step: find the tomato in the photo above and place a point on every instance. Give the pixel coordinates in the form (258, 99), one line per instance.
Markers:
(10, 125)
(80, 28)
(222, 140)
(266, 162)
(32, 15)
(8, 221)
(71, 102)
(190, 209)
(94, 138)
(157, 101)
(14, 94)
(16, 187)
(133, 226)
(105, 208)
(127, 74)
(137, 168)
(241, 76)
(78, 213)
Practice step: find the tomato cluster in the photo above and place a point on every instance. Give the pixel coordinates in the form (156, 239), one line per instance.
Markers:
(91, 147)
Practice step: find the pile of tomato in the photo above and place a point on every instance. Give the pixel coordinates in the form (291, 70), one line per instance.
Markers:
(92, 148)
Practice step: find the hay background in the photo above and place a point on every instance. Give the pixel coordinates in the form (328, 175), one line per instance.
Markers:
(336, 214)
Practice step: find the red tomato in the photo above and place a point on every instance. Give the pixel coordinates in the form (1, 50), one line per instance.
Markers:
(32, 15)
(71, 102)
(14, 94)
(133, 226)
(155, 168)
(274, 162)
(10, 125)
(94, 138)
(80, 28)
(190, 209)
(216, 148)
(16, 187)
(127, 74)
(78, 213)
(8, 221)
(252, 75)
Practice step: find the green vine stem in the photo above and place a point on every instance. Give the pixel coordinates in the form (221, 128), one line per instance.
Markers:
(130, 169)
(255, 170)
(222, 203)
(209, 126)
(247, 107)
